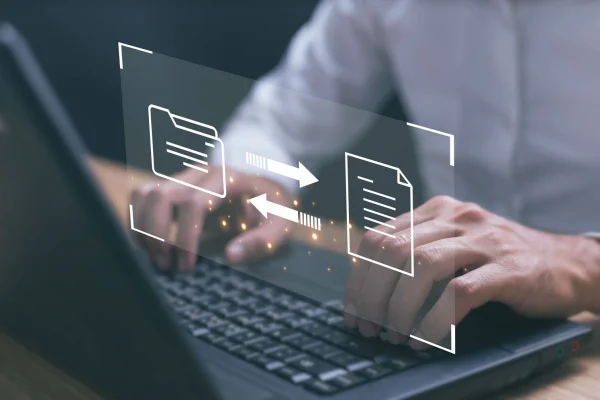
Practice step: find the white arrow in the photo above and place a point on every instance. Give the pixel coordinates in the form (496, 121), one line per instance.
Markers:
(301, 174)
(265, 207)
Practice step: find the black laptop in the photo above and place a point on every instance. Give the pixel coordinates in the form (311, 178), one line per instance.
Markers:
(75, 289)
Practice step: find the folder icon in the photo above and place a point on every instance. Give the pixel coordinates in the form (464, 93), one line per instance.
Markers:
(184, 143)
(378, 193)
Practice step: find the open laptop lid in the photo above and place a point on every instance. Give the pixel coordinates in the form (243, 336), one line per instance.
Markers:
(71, 286)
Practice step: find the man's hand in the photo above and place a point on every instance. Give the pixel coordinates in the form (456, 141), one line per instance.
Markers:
(153, 206)
(535, 273)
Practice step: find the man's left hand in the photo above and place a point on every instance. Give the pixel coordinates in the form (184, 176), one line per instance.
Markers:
(534, 272)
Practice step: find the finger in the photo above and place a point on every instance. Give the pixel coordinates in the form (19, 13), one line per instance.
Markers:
(426, 212)
(379, 282)
(434, 262)
(156, 220)
(258, 242)
(372, 242)
(461, 295)
(190, 222)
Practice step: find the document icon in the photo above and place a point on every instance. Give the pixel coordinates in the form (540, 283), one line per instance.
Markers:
(179, 142)
(378, 193)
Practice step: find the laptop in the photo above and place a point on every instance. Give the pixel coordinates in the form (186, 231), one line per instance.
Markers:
(76, 290)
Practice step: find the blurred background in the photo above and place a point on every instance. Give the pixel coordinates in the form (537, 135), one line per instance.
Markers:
(76, 42)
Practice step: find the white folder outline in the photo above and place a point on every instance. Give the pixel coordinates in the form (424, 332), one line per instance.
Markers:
(215, 138)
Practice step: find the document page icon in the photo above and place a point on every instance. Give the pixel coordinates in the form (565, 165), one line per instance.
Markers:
(378, 193)
(185, 143)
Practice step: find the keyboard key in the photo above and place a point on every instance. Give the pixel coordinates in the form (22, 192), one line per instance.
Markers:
(243, 299)
(334, 305)
(299, 341)
(226, 291)
(246, 337)
(269, 293)
(193, 313)
(292, 303)
(252, 286)
(197, 332)
(401, 363)
(292, 374)
(244, 352)
(211, 321)
(266, 362)
(296, 323)
(362, 348)
(266, 327)
(212, 337)
(320, 387)
(247, 319)
(282, 333)
(334, 336)
(179, 305)
(205, 300)
(347, 380)
(314, 366)
(228, 345)
(276, 314)
(374, 371)
(312, 312)
(330, 318)
(322, 350)
(344, 359)
(230, 329)
(219, 305)
(235, 280)
(263, 344)
(284, 353)
(195, 281)
(230, 311)
(259, 306)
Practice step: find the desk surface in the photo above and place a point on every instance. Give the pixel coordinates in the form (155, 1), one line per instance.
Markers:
(25, 376)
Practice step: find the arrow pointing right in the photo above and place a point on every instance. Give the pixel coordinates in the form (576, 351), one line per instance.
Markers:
(301, 174)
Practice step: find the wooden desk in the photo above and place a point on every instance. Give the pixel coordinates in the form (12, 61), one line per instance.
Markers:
(25, 376)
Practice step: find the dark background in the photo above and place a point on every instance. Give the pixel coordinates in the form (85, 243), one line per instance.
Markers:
(76, 43)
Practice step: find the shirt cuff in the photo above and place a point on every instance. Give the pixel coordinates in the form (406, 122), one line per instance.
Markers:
(592, 235)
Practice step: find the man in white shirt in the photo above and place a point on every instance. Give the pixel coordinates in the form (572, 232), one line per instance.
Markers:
(516, 82)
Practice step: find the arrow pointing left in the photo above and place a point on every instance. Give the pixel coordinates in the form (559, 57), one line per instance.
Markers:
(265, 207)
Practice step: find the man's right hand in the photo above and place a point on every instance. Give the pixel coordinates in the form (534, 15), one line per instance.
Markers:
(153, 205)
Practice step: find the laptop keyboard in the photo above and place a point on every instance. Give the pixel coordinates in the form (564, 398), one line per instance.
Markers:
(293, 337)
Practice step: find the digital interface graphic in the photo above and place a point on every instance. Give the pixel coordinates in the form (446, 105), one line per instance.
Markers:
(173, 127)
(191, 142)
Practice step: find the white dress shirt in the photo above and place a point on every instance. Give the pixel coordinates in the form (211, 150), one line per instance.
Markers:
(517, 82)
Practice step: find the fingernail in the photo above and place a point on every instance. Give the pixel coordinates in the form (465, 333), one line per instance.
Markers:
(366, 328)
(236, 253)
(350, 318)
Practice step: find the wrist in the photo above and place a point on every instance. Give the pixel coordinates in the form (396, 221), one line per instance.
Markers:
(589, 253)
